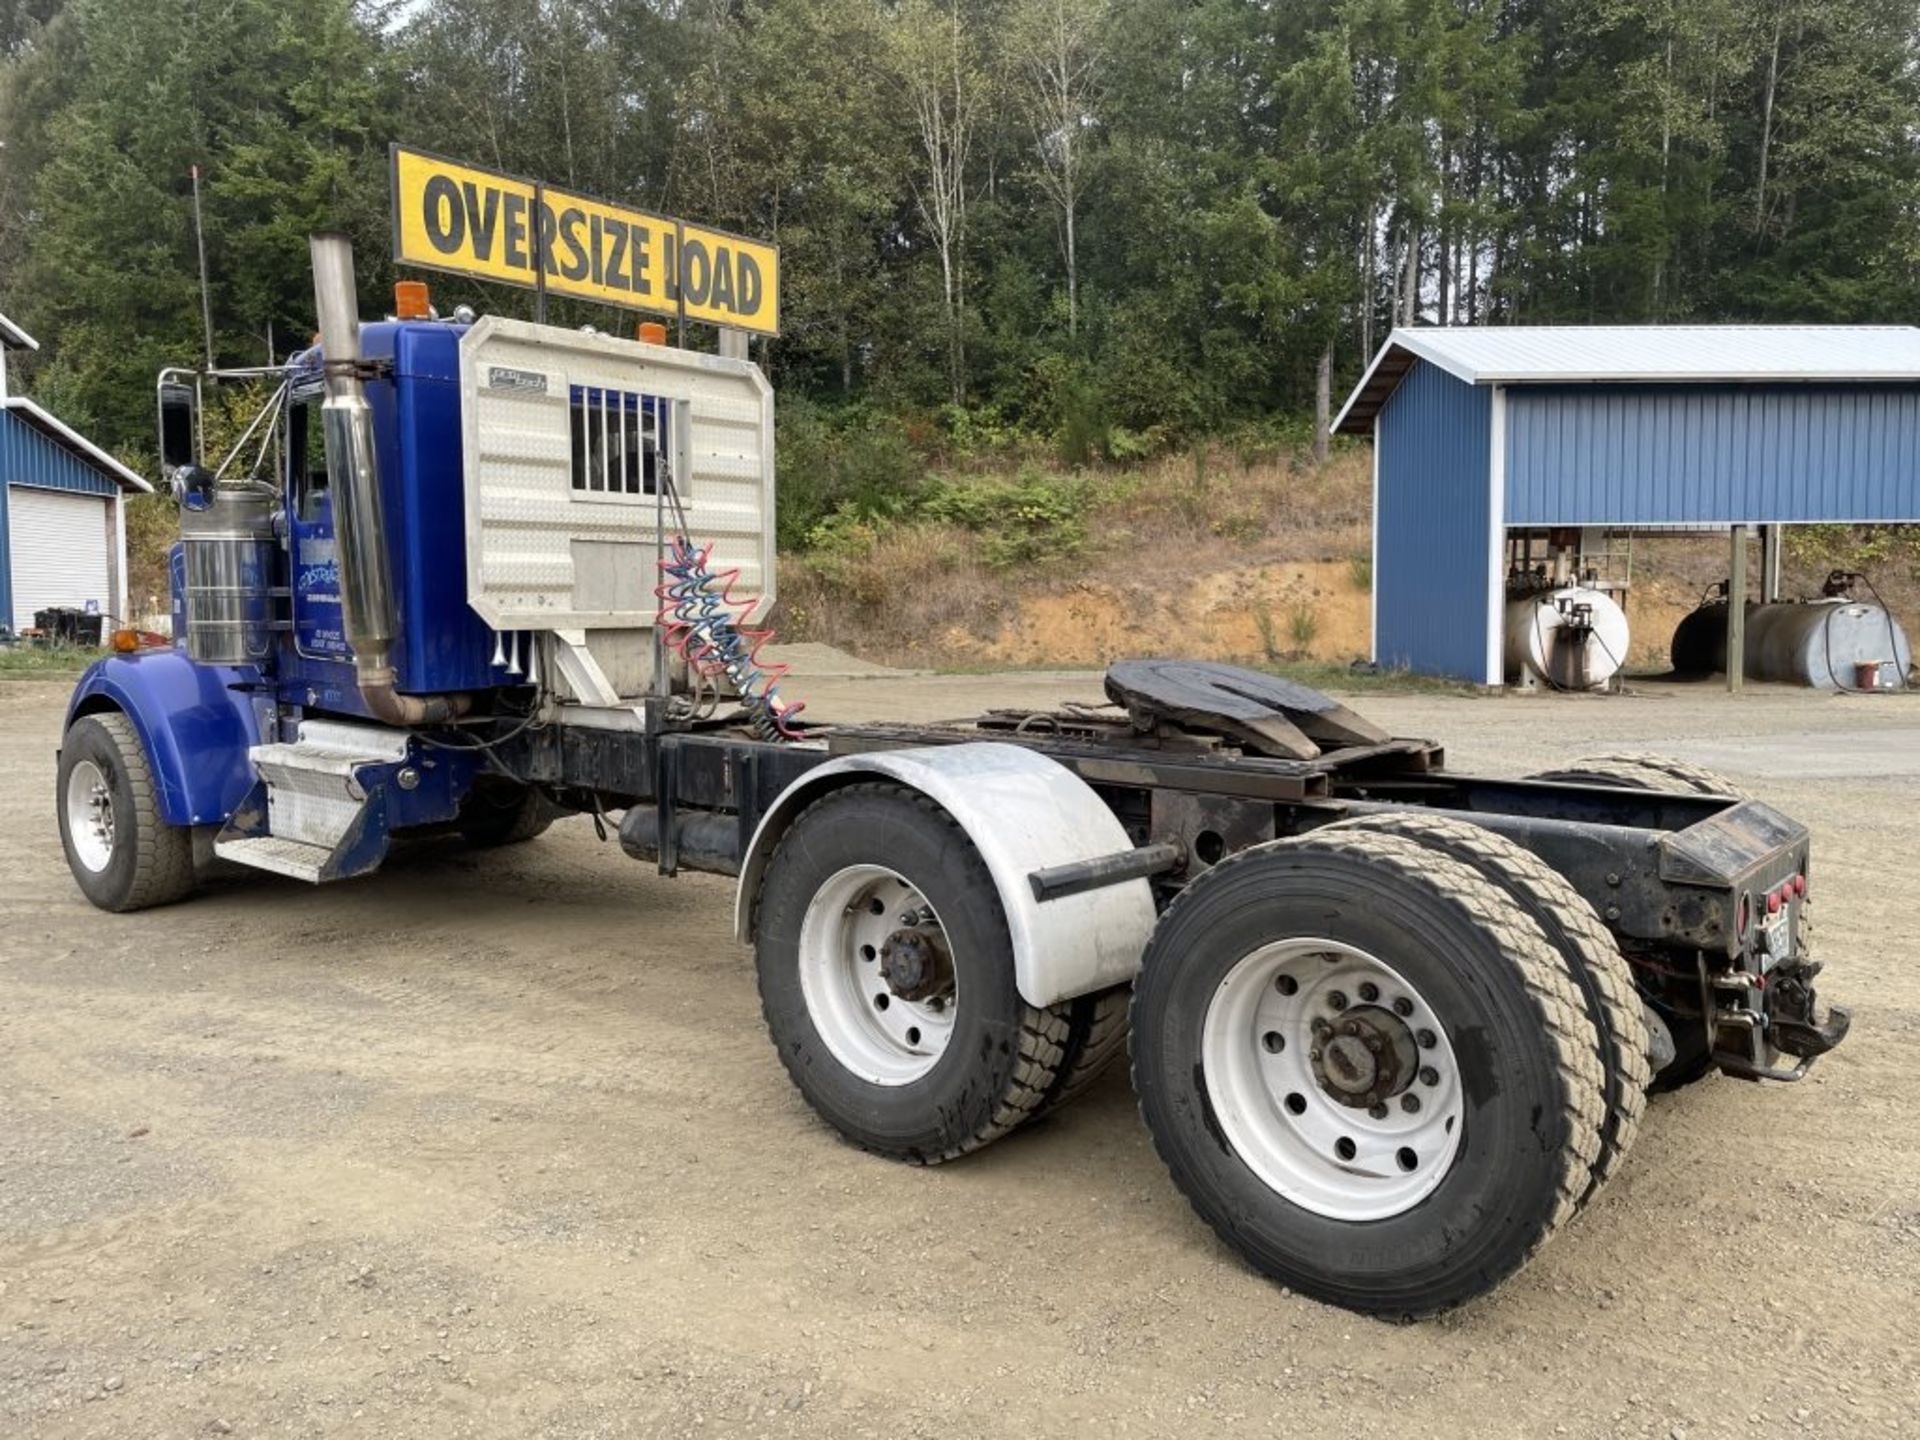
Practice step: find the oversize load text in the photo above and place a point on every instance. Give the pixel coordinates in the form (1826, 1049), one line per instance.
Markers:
(475, 222)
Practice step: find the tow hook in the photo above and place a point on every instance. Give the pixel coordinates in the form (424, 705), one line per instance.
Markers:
(1794, 1027)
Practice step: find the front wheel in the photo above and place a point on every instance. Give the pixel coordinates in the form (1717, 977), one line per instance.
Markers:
(1367, 1070)
(122, 854)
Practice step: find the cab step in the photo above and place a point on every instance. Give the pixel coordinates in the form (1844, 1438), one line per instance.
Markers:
(318, 810)
(291, 858)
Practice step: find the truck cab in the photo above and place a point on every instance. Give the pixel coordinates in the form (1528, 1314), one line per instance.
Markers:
(430, 533)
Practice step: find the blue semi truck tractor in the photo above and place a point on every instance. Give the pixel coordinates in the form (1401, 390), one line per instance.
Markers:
(1391, 1025)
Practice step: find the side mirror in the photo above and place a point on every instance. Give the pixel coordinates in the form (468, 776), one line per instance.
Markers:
(179, 425)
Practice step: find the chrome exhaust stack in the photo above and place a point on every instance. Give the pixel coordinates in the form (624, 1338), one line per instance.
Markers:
(368, 613)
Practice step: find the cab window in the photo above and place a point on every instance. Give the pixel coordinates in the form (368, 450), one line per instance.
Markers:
(307, 457)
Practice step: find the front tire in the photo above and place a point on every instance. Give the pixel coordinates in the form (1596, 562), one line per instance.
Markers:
(1322, 1174)
(886, 977)
(122, 854)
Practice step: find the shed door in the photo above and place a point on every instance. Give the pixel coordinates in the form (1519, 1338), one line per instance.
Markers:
(58, 543)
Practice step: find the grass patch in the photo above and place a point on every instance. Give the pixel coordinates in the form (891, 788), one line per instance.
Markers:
(1369, 680)
(40, 662)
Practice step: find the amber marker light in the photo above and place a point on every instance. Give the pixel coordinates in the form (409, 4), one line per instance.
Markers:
(411, 301)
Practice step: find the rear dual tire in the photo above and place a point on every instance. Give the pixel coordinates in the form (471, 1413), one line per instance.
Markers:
(1693, 1055)
(1247, 1142)
(918, 1072)
(1587, 952)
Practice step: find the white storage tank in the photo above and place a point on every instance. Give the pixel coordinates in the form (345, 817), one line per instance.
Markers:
(1831, 643)
(1571, 637)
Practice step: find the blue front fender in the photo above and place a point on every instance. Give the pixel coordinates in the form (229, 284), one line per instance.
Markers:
(195, 727)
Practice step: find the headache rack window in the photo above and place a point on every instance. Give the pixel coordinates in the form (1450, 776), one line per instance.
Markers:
(617, 442)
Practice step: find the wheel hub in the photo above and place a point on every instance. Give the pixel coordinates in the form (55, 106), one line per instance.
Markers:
(915, 965)
(876, 971)
(1365, 1057)
(90, 824)
(1332, 1078)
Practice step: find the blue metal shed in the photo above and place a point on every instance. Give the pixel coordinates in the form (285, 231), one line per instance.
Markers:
(1480, 430)
(63, 535)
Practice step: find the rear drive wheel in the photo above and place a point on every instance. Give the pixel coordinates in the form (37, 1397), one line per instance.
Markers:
(1366, 1069)
(1586, 948)
(1692, 1054)
(122, 854)
(886, 977)
(1096, 1037)
(1644, 772)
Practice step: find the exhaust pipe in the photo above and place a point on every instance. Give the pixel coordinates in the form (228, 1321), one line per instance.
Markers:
(366, 583)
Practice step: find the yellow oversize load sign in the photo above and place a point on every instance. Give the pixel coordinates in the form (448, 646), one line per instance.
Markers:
(448, 216)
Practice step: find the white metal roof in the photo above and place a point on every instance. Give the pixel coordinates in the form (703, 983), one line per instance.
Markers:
(12, 335)
(62, 433)
(1636, 354)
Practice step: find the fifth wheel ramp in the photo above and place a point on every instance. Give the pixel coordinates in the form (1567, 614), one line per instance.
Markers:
(1265, 713)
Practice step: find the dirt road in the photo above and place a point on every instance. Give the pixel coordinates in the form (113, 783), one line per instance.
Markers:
(493, 1146)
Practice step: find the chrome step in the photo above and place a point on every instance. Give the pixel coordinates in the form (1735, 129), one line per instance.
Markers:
(313, 793)
(283, 857)
(311, 814)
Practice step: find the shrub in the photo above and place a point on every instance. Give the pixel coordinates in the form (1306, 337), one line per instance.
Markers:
(1263, 622)
(854, 462)
(1303, 624)
(1035, 517)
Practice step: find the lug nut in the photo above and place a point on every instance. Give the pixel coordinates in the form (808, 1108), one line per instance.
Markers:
(1410, 1103)
(1427, 1039)
(1349, 1028)
(1373, 1043)
(1369, 992)
(1377, 1111)
(1429, 1075)
(1337, 1000)
(1314, 1055)
(1320, 1025)
(1402, 1006)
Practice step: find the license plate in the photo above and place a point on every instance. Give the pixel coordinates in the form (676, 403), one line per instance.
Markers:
(1775, 938)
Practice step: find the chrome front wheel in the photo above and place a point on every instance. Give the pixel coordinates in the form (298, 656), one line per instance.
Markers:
(90, 821)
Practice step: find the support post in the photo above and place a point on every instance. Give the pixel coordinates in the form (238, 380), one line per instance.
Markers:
(539, 253)
(733, 343)
(1737, 611)
(1771, 538)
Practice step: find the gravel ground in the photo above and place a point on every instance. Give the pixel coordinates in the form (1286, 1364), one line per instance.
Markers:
(493, 1146)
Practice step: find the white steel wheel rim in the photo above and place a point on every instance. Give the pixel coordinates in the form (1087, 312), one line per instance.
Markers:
(1345, 1161)
(90, 816)
(877, 1035)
